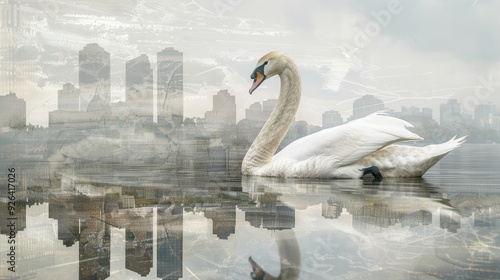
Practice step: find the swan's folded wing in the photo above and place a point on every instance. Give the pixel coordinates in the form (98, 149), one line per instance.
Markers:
(351, 142)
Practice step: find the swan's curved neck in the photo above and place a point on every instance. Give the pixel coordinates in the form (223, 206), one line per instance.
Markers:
(274, 130)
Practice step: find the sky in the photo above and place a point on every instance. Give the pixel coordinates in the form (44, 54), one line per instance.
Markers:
(407, 53)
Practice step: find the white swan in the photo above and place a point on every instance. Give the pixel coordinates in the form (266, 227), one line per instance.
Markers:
(347, 151)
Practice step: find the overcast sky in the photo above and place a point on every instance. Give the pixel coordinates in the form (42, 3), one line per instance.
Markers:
(408, 53)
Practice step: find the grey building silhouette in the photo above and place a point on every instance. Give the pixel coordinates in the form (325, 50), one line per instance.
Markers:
(224, 109)
(223, 220)
(450, 112)
(254, 112)
(68, 98)
(169, 243)
(366, 105)
(94, 77)
(331, 119)
(12, 111)
(19, 55)
(484, 114)
(170, 104)
(139, 86)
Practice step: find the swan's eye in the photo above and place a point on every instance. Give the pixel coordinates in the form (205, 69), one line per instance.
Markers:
(265, 63)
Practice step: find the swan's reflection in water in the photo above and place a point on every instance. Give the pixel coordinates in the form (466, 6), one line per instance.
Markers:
(356, 229)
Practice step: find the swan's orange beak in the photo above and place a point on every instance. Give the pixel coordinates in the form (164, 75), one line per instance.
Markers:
(258, 77)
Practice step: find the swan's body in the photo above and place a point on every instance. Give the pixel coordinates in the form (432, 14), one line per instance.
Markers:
(338, 152)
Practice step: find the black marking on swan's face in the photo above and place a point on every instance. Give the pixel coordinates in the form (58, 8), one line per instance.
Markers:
(258, 76)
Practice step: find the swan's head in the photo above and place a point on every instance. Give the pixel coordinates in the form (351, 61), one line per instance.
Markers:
(269, 65)
(257, 273)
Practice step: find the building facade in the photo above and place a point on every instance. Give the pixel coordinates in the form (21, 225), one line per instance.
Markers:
(139, 86)
(12, 111)
(94, 76)
(170, 103)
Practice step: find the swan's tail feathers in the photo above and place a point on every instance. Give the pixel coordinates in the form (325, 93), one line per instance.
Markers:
(446, 147)
(410, 161)
(392, 125)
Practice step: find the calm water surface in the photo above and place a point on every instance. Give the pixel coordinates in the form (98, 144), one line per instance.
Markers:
(190, 226)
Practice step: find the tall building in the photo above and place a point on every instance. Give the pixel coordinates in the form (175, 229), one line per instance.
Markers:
(68, 98)
(94, 75)
(170, 104)
(139, 85)
(365, 105)
(450, 112)
(331, 119)
(484, 114)
(224, 109)
(12, 111)
(18, 52)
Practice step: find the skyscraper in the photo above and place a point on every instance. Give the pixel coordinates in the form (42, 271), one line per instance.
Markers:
(18, 53)
(170, 86)
(139, 85)
(94, 74)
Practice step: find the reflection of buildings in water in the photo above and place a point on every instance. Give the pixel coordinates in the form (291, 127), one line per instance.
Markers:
(169, 240)
(153, 240)
(478, 256)
(39, 253)
(4, 216)
(138, 224)
(374, 212)
(80, 219)
(417, 218)
(449, 220)
(270, 213)
(223, 218)
(331, 209)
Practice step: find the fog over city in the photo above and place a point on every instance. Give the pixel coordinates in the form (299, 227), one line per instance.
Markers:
(407, 53)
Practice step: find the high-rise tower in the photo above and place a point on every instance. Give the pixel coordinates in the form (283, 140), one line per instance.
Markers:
(170, 86)
(139, 86)
(94, 74)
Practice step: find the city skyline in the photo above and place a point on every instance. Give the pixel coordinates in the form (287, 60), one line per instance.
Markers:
(342, 62)
(140, 94)
(141, 103)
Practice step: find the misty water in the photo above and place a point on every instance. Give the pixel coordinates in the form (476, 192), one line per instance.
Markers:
(144, 222)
